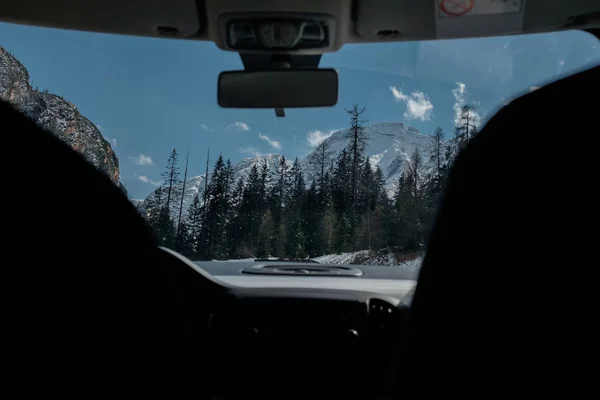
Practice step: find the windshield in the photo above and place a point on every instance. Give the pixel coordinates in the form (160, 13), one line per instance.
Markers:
(356, 183)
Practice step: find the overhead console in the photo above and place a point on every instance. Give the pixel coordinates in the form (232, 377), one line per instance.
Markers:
(289, 27)
(274, 32)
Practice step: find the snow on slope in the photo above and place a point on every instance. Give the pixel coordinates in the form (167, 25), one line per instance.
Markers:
(390, 146)
(195, 185)
(366, 257)
(242, 168)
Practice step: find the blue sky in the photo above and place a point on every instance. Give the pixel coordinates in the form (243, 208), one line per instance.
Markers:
(149, 96)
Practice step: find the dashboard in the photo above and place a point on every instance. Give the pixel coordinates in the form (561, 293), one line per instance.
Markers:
(274, 336)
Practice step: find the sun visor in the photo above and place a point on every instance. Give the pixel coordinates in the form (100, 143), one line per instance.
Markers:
(395, 20)
(438, 19)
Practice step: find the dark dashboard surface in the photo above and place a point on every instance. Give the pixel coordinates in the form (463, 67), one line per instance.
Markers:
(229, 268)
(277, 336)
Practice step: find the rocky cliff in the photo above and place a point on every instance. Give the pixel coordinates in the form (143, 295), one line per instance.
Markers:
(57, 115)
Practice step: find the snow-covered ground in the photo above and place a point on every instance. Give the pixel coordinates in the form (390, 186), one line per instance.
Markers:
(368, 257)
(365, 257)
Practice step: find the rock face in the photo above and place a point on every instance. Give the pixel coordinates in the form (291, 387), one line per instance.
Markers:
(57, 115)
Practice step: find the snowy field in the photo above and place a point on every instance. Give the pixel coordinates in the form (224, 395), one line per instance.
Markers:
(369, 258)
(363, 257)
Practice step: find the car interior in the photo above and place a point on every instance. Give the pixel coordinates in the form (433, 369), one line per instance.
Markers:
(139, 319)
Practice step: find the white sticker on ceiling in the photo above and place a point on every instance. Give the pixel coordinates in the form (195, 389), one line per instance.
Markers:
(460, 8)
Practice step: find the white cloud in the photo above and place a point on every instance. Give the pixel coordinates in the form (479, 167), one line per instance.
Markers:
(561, 62)
(141, 159)
(251, 150)
(418, 105)
(240, 126)
(460, 93)
(145, 179)
(100, 127)
(533, 88)
(316, 137)
(273, 143)
(204, 127)
(113, 142)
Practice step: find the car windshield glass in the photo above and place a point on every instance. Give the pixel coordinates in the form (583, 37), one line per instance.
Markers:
(355, 183)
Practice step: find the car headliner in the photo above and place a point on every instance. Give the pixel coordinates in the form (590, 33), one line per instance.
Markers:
(356, 21)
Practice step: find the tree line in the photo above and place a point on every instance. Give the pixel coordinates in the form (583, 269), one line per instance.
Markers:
(344, 207)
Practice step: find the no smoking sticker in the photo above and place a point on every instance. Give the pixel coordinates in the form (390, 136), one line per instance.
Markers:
(456, 8)
(459, 8)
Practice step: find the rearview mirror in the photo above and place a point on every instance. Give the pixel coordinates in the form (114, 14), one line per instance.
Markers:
(290, 88)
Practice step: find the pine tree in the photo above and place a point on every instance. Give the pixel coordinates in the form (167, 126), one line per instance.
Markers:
(358, 137)
(365, 190)
(213, 235)
(265, 235)
(281, 189)
(297, 180)
(194, 224)
(151, 208)
(165, 229)
(410, 204)
(252, 209)
(328, 233)
(300, 241)
(281, 240)
(319, 163)
(235, 227)
(171, 180)
(296, 210)
(340, 190)
(313, 213)
(181, 198)
(436, 152)
(380, 195)
(466, 127)
(416, 171)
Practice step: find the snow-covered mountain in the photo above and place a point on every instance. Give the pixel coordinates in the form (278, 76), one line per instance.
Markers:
(242, 168)
(390, 146)
(57, 115)
(195, 185)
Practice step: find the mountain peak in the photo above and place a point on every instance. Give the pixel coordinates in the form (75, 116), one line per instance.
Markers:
(390, 146)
